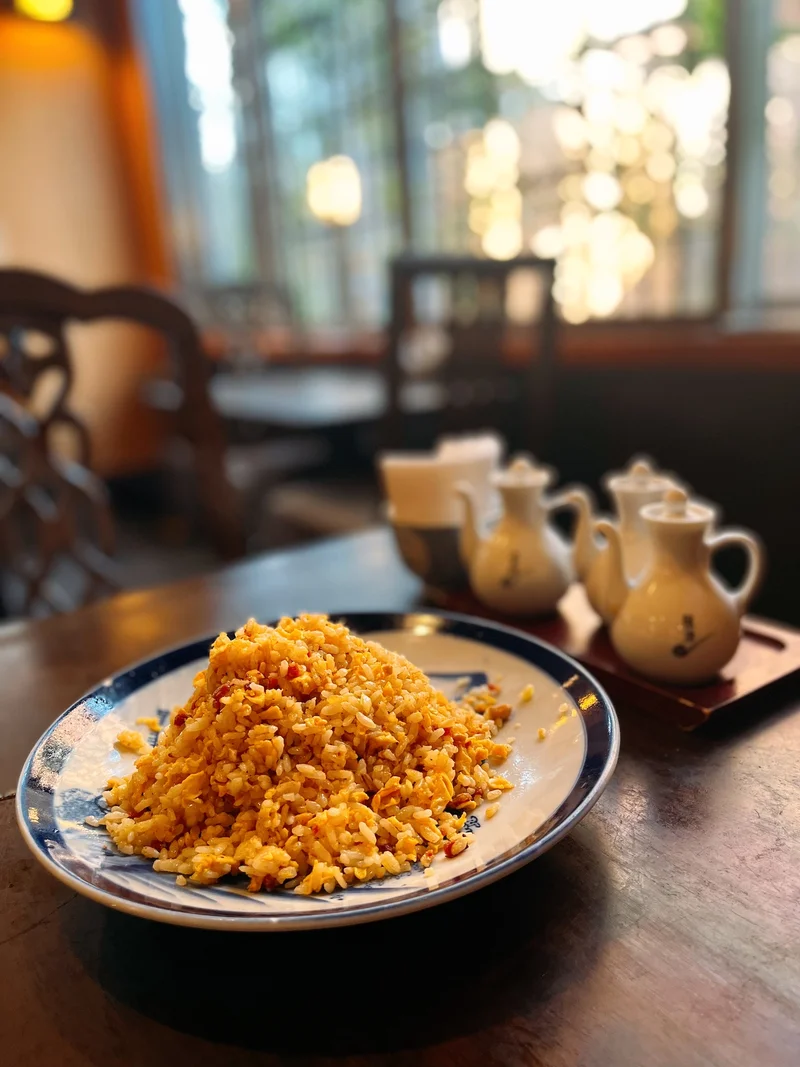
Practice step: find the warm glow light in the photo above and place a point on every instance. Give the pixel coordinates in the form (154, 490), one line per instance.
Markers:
(548, 242)
(45, 10)
(531, 37)
(663, 220)
(630, 115)
(569, 127)
(691, 199)
(455, 34)
(669, 40)
(571, 277)
(627, 150)
(501, 140)
(503, 239)
(636, 254)
(640, 189)
(640, 142)
(789, 48)
(575, 222)
(570, 188)
(576, 312)
(333, 190)
(604, 294)
(661, 166)
(602, 69)
(479, 217)
(602, 191)
(605, 234)
(568, 86)
(636, 49)
(506, 203)
(479, 179)
(658, 137)
(599, 107)
(599, 159)
(609, 19)
(662, 86)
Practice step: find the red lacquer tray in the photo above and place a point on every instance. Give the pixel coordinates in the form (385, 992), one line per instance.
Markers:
(767, 652)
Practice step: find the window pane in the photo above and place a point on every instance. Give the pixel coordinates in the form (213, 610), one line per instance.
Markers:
(782, 237)
(199, 117)
(590, 131)
(593, 132)
(335, 179)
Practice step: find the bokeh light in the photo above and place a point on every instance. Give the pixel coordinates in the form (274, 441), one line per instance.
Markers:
(602, 191)
(454, 19)
(779, 111)
(548, 242)
(637, 140)
(502, 239)
(45, 10)
(691, 198)
(333, 191)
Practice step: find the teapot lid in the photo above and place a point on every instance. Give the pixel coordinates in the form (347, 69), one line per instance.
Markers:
(640, 477)
(522, 473)
(677, 509)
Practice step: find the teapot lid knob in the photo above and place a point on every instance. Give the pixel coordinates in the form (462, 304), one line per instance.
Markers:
(675, 501)
(522, 464)
(642, 468)
(523, 471)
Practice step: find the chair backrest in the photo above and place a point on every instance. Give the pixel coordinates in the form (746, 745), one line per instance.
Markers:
(35, 310)
(56, 531)
(473, 343)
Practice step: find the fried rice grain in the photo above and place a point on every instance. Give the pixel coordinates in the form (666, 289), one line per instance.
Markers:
(308, 758)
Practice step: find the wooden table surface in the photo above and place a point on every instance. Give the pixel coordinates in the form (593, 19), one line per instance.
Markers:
(664, 932)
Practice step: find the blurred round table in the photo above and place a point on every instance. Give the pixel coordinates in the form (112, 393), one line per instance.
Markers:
(303, 399)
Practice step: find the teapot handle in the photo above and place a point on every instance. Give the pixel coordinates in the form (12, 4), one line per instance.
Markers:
(755, 571)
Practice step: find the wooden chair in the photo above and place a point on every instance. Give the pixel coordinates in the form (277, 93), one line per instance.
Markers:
(490, 372)
(472, 342)
(37, 307)
(56, 531)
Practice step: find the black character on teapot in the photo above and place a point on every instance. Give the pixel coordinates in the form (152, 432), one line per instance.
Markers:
(690, 642)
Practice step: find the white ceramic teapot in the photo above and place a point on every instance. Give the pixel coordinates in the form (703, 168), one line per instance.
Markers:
(677, 622)
(631, 490)
(524, 566)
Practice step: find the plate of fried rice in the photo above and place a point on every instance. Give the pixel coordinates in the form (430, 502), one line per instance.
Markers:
(318, 771)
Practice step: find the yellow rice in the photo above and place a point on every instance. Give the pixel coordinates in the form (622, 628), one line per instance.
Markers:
(309, 758)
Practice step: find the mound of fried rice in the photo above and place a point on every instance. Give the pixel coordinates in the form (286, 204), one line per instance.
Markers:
(308, 758)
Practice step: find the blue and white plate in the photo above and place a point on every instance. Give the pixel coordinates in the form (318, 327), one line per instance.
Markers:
(556, 780)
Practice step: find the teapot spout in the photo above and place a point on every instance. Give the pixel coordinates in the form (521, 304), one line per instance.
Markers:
(470, 536)
(614, 585)
(585, 546)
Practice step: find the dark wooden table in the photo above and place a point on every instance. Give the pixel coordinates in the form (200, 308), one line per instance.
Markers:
(664, 932)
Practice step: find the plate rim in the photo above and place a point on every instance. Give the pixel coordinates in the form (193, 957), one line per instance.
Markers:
(383, 621)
